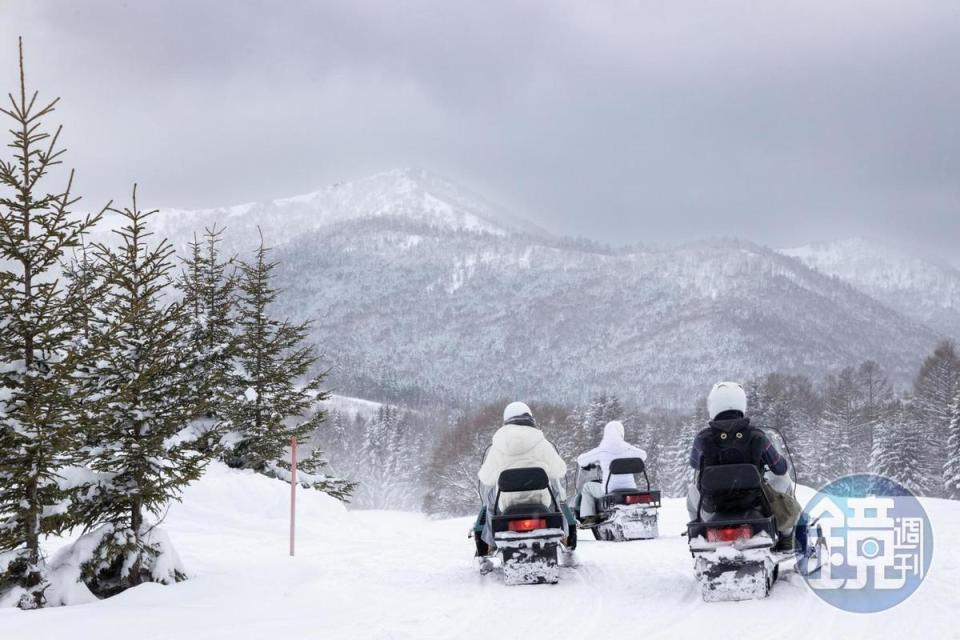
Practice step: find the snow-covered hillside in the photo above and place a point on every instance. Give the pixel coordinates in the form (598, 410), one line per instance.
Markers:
(351, 407)
(422, 293)
(920, 288)
(394, 575)
(403, 309)
(412, 194)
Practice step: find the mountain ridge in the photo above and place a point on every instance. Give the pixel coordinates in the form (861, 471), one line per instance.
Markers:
(421, 294)
(924, 289)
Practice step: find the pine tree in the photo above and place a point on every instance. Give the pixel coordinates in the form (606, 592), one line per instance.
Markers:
(875, 394)
(145, 450)
(841, 422)
(271, 357)
(388, 473)
(898, 448)
(84, 281)
(601, 409)
(951, 470)
(208, 284)
(342, 438)
(39, 366)
(933, 391)
(678, 474)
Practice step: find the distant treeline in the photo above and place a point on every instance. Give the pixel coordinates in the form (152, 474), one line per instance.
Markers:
(851, 422)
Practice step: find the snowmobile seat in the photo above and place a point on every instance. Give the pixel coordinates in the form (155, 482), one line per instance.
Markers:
(733, 495)
(723, 478)
(523, 479)
(526, 479)
(628, 466)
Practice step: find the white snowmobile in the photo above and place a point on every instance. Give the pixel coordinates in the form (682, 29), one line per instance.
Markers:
(625, 514)
(530, 538)
(734, 542)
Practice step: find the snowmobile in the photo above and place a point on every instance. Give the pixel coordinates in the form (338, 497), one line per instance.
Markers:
(735, 543)
(530, 538)
(625, 514)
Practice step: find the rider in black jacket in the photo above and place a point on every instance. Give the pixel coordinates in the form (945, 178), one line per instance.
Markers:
(730, 439)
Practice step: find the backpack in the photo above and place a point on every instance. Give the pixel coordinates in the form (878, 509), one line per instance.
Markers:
(737, 446)
(742, 444)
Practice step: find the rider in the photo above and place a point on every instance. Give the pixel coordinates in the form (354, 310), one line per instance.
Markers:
(517, 444)
(611, 447)
(730, 439)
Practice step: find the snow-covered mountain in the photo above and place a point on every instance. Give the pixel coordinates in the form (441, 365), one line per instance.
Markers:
(419, 290)
(919, 288)
(413, 194)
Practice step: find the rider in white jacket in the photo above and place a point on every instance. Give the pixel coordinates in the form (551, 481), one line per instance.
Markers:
(517, 444)
(611, 447)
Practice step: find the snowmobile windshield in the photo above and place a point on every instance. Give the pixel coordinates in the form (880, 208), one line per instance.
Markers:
(780, 443)
(591, 473)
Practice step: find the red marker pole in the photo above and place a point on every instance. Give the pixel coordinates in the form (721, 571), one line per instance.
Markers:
(293, 493)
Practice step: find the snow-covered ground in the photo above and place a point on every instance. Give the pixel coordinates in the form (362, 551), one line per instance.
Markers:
(401, 575)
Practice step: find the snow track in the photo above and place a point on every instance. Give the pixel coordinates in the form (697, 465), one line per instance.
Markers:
(400, 575)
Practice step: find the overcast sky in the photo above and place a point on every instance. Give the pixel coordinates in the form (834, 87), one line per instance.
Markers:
(782, 122)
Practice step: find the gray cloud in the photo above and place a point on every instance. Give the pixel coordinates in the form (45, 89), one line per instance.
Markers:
(624, 121)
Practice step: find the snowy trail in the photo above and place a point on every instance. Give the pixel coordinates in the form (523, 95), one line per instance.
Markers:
(401, 575)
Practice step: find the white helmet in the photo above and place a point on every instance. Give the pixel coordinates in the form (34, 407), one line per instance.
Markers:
(517, 413)
(726, 396)
(614, 427)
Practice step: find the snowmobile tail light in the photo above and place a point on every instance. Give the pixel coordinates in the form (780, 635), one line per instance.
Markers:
(640, 498)
(527, 525)
(729, 534)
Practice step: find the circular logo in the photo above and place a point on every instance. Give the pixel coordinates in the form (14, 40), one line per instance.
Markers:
(867, 543)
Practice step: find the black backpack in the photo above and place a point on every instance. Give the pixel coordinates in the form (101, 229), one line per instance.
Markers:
(740, 444)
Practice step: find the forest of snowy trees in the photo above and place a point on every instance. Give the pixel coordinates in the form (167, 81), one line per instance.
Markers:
(123, 372)
(852, 422)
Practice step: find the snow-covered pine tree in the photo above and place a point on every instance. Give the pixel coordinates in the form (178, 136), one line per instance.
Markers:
(145, 448)
(39, 366)
(601, 409)
(933, 391)
(391, 450)
(342, 439)
(377, 448)
(85, 279)
(270, 360)
(951, 470)
(875, 397)
(677, 473)
(898, 447)
(208, 283)
(841, 421)
(571, 438)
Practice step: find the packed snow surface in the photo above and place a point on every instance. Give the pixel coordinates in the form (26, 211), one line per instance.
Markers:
(401, 575)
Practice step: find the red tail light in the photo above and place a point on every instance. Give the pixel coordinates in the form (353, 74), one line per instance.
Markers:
(527, 525)
(640, 498)
(729, 534)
